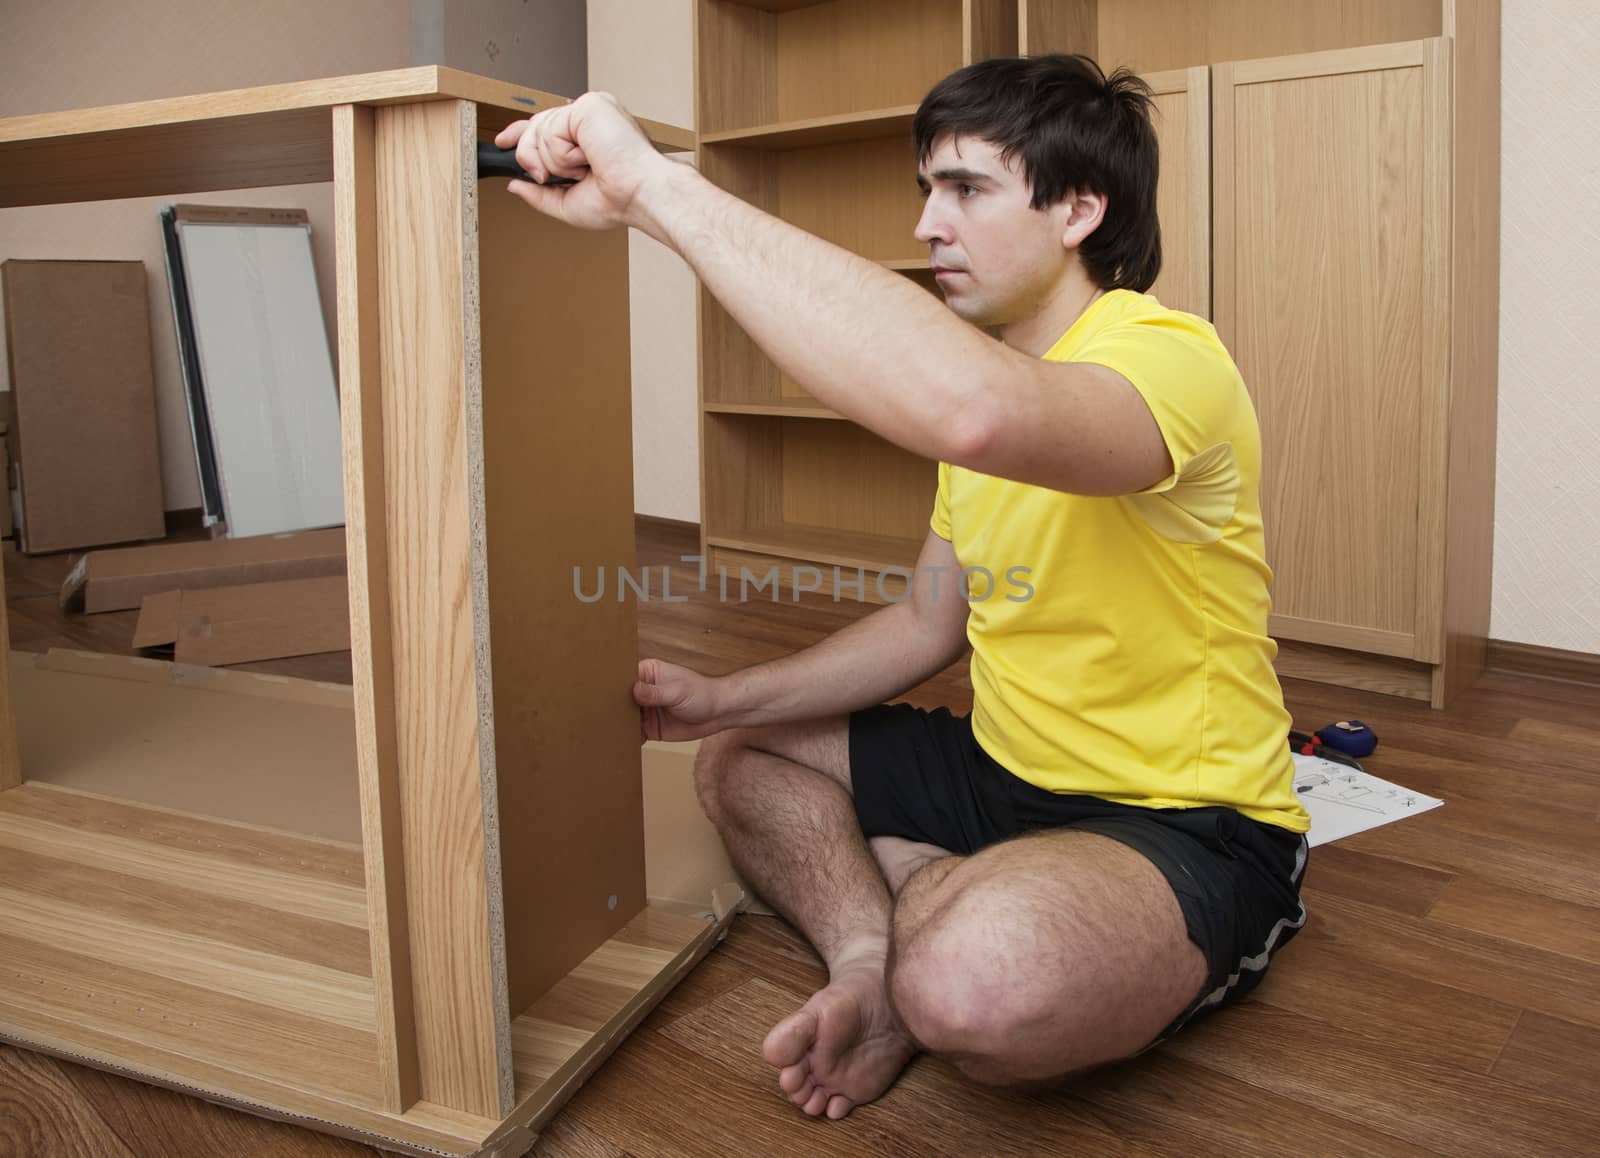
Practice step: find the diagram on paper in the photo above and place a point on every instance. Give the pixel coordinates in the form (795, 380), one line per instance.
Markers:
(1343, 801)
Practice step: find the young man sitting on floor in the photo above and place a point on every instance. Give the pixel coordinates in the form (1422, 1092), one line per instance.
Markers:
(1110, 843)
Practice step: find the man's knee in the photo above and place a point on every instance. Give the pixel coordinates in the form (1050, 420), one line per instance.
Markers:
(716, 758)
(953, 982)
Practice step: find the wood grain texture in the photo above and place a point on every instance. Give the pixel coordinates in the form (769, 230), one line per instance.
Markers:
(1353, 669)
(1183, 193)
(239, 139)
(988, 29)
(688, 1082)
(1059, 26)
(1298, 142)
(1554, 1057)
(1474, 26)
(741, 87)
(843, 476)
(1150, 35)
(861, 195)
(426, 202)
(367, 555)
(847, 55)
(556, 438)
(1550, 662)
(10, 761)
(43, 1112)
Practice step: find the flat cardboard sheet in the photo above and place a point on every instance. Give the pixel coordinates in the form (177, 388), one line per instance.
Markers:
(684, 856)
(85, 437)
(280, 753)
(119, 580)
(258, 749)
(217, 626)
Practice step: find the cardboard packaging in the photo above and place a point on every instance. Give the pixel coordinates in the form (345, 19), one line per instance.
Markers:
(119, 580)
(217, 626)
(83, 434)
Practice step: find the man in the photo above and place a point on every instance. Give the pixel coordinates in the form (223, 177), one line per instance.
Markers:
(1111, 842)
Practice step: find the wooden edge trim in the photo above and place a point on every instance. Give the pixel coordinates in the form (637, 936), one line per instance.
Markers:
(1551, 663)
(366, 552)
(1398, 644)
(1369, 58)
(535, 1112)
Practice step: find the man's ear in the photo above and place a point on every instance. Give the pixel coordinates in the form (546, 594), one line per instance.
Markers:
(1082, 215)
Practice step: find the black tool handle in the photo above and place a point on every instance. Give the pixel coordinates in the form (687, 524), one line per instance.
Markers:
(494, 161)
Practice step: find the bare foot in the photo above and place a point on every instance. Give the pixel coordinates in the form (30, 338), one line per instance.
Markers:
(845, 1046)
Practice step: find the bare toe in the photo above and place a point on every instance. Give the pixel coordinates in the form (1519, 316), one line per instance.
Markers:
(839, 1106)
(794, 1078)
(790, 1039)
(817, 1103)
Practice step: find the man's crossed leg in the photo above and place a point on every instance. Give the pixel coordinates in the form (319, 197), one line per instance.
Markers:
(1029, 960)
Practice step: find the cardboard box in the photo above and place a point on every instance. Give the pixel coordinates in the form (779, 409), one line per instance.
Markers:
(119, 580)
(84, 434)
(218, 626)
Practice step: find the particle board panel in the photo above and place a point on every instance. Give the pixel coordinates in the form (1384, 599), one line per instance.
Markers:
(556, 437)
(367, 573)
(426, 190)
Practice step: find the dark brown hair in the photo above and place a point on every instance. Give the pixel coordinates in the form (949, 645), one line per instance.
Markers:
(1075, 130)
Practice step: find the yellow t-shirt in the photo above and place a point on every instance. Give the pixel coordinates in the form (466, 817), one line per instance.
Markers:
(1131, 659)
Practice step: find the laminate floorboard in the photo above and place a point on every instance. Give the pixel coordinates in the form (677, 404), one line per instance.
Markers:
(1444, 997)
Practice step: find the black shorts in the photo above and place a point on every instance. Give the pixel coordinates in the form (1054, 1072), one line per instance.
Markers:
(923, 776)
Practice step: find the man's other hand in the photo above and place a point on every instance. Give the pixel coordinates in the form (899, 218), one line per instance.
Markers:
(675, 703)
(594, 141)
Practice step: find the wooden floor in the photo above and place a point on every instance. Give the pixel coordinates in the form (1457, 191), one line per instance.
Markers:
(1443, 998)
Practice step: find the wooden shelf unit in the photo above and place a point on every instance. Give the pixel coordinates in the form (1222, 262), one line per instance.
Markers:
(412, 911)
(803, 111)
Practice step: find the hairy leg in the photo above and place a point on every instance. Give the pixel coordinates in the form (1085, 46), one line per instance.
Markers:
(780, 797)
(1041, 957)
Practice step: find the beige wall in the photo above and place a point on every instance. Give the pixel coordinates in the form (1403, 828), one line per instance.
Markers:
(80, 53)
(644, 54)
(1547, 477)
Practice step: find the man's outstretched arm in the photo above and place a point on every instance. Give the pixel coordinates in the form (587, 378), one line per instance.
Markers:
(863, 340)
(872, 660)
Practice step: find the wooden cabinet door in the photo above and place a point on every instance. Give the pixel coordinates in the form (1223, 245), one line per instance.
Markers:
(1183, 194)
(1332, 291)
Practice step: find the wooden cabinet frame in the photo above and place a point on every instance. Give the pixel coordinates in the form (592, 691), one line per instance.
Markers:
(484, 379)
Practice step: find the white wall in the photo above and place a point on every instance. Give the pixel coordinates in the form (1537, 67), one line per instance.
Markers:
(1547, 473)
(644, 54)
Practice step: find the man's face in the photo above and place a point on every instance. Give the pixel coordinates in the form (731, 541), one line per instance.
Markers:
(996, 259)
